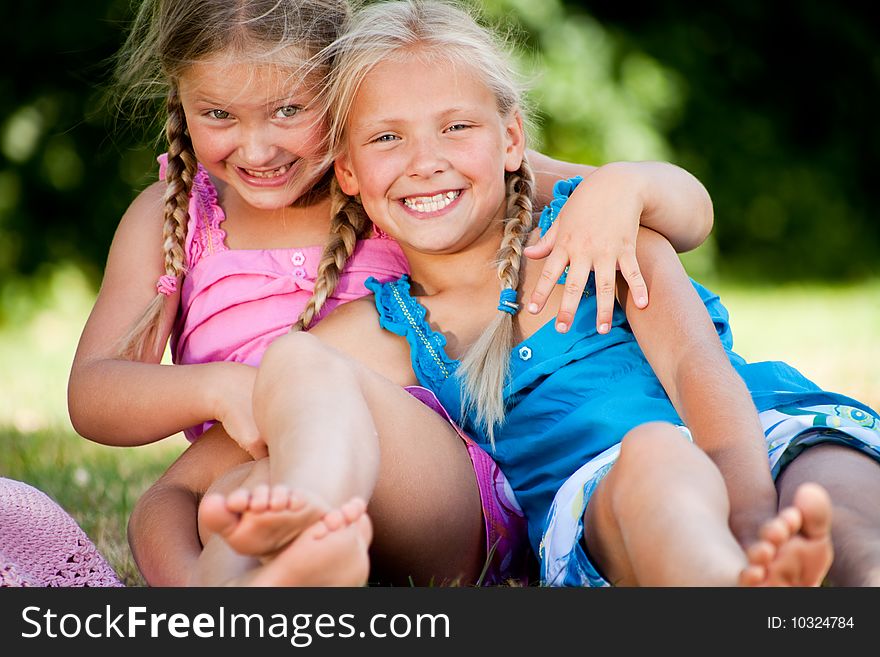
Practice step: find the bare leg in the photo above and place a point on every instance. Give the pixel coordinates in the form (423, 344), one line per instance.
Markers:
(852, 480)
(163, 529)
(349, 433)
(660, 516)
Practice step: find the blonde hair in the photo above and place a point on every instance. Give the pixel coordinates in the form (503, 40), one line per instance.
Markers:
(446, 32)
(169, 36)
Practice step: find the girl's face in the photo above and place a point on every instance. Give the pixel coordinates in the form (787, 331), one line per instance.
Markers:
(427, 151)
(254, 130)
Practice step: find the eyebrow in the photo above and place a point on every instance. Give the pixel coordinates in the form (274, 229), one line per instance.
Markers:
(292, 99)
(392, 120)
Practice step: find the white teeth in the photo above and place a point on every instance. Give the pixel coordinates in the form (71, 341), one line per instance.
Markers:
(430, 203)
(280, 171)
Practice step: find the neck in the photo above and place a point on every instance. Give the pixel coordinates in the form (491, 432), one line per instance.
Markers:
(471, 269)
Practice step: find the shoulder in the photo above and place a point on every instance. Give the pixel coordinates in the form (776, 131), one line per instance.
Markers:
(138, 238)
(137, 243)
(146, 211)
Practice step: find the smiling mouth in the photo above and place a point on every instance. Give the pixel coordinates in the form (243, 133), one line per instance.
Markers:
(430, 203)
(268, 173)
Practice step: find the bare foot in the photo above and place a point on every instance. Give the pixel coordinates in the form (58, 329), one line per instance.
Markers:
(794, 547)
(331, 552)
(259, 522)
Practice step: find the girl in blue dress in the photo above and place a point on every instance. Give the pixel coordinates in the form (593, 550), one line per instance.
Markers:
(639, 454)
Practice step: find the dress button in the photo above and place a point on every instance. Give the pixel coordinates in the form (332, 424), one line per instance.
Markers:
(298, 258)
(525, 353)
(299, 272)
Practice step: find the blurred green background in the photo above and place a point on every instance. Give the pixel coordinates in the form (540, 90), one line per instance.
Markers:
(771, 105)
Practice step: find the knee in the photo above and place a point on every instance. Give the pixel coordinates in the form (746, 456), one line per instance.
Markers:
(294, 350)
(298, 355)
(648, 446)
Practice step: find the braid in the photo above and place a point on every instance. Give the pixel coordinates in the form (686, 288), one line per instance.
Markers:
(181, 170)
(349, 224)
(518, 225)
(484, 368)
(179, 175)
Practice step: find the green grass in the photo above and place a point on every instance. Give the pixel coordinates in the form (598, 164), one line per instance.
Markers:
(829, 333)
(97, 485)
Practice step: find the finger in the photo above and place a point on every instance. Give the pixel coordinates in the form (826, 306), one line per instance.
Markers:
(575, 282)
(543, 247)
(638, 289)
(553, 267)
(606, 280)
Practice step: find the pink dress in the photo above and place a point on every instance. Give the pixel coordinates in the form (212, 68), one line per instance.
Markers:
(234, 303)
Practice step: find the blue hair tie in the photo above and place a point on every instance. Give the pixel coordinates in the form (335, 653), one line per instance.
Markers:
(507, 301)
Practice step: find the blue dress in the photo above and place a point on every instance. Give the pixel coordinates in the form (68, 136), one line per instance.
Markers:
(571, 397)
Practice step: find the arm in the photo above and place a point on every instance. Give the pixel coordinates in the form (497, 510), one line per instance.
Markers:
(679, 340)
(163, 528)
(121, 402)
(600, 222)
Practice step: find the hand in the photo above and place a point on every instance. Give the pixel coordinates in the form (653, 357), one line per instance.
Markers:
(234, 407)
(595, 231)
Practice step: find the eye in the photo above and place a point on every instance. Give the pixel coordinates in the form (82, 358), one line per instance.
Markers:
(458, 127)
(387, 137)
(218, 114)
(287, 111)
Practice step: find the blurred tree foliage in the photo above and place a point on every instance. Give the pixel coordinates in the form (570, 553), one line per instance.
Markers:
(66, 173)
(777, 118)
(771, 105)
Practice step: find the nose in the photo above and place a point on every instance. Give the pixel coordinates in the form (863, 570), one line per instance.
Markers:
(427, 157)
(256, 147)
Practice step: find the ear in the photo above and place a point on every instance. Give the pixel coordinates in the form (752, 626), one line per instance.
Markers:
(515, 136)
(345, 175)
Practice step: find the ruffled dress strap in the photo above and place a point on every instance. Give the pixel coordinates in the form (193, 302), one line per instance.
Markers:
(562, 190)
(401, 314)
(204, 237)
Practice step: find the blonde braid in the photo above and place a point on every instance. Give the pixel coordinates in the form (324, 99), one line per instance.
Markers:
(179, 175)
(349, 224)
(519, 223)
(484, 368)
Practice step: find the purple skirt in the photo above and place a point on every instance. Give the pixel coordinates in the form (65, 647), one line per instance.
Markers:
(507, 542)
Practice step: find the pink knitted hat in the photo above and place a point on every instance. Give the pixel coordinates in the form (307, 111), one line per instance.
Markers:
(41, 545)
